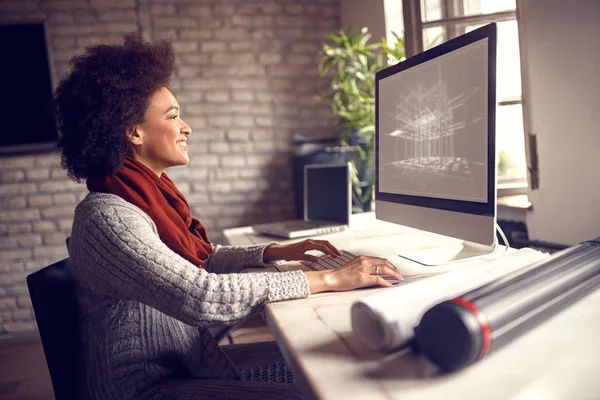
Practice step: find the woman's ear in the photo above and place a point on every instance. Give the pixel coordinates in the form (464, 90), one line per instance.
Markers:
(135, 136)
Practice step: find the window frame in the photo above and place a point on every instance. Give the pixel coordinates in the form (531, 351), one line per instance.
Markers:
(413, 42)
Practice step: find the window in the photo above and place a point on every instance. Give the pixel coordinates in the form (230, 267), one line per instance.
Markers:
(26, 104)
(428, 23)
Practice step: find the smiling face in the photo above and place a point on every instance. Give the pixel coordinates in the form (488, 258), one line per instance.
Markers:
(161, 140)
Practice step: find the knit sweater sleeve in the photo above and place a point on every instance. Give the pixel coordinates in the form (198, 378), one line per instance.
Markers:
(228, 259)
(117, 252)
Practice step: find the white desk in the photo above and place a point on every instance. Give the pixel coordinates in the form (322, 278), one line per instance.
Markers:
(560, 359)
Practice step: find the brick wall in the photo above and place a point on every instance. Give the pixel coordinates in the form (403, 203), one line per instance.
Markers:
(246, 78)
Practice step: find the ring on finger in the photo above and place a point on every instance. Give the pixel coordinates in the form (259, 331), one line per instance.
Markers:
(376, 269)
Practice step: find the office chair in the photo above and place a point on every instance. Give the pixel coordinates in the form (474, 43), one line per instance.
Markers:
(52, 292)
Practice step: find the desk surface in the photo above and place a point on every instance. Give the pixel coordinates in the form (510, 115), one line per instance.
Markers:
(560, 359)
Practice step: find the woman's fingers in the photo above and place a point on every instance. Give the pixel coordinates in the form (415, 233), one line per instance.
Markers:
(378, 280)
(386, 269)
(321, 245)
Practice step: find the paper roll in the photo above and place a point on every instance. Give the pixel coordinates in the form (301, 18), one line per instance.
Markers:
(386, 321)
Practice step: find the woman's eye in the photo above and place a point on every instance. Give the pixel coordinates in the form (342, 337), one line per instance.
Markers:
(175, 117)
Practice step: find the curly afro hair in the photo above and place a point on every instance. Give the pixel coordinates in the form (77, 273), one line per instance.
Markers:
(104, 96)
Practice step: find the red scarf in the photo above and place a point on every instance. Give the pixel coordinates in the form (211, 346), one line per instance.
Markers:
(160, 199)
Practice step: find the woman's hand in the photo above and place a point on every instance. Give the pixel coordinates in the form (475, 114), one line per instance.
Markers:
(297, 251)
(362, 271)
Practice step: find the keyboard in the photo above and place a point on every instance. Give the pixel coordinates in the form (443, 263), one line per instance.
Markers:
(329, 262)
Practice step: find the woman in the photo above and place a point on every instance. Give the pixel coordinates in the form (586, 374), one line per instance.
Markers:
(149, 281)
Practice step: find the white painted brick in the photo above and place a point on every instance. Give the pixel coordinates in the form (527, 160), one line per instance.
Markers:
(118, 15)
(59, 18)
(8, 304)
(195, 34)
(58, 173)
(185, 47)
(189, 72)
(231, 34)
(244, 45)
(37, 174)
(243, 120)
(162, 9)
(197, 173)
(250, 173)
(22, 314)
(220, 187)
(59, 252)
(65, 225)
(194, 58)
(223, 174)
(27, 241)
(270, 58)
(18, 189)
(15, 229)
(217, 97)
(8, 243)
(244, 186)
(63, 5)
(195, 123)
(265, 147)
(164, 33)
(65, 198)
(219, 148)
(57, 212)
(197, 10)
(220, 120)
(248, 83)
(264, 121)
(198, 198)
(232, 161)
(40, 200)
(203, 211)
(175, 22)
(262, 134)
(19, 215)
(12, 278)
(16, 162)
(206, 160)
(201, 83)
(237, 135)
(19, 327)
(301, 59)
(232, 198)
(251, 21)
(104, 4)
(241, 95)
(86, 41)
(84, 16)
(242, 148)
(54, 238)
(13, 203)
(44, 226)
(61, 186)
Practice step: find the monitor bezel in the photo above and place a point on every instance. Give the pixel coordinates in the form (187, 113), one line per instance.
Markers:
(464, 206)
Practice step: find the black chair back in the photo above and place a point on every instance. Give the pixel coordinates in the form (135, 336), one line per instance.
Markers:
(52, 291)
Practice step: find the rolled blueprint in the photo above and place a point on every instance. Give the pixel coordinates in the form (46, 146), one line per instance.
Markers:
(465, 329)
(386, 321)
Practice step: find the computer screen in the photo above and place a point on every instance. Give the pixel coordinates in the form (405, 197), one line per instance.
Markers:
(327, 192)
(435, 139)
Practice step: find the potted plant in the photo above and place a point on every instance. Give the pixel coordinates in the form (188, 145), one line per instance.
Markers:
(352, 97)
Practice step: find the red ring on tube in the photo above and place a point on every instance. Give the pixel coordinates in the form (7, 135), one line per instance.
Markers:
(483, 324)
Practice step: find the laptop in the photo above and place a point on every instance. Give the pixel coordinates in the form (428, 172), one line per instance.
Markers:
(327, 204)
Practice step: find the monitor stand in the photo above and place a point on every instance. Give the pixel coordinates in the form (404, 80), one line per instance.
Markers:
(435, 250)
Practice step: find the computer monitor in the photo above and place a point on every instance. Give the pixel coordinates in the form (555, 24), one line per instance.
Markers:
(435, 138)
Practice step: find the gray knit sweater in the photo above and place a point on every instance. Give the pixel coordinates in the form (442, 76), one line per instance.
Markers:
(145, 309)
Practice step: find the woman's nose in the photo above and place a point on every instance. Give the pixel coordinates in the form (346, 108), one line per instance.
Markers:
(185, 128)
